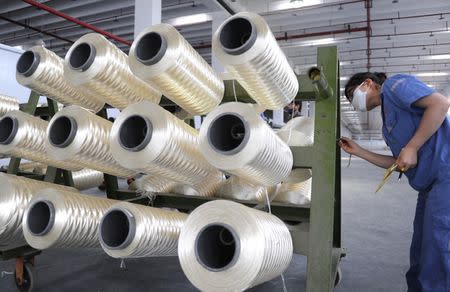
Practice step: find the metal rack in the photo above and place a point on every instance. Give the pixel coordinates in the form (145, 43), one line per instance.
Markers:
(315, 230)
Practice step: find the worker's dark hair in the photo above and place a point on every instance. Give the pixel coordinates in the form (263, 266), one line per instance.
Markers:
(358, 78)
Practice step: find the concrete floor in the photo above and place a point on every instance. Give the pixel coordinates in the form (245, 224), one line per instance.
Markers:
(377, 229)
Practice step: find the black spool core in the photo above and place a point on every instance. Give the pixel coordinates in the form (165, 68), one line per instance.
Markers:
(82, 56)
(117, 229)
(41, 217)
(217, 247)
(237, 36)
(151, 48)
(27, 63)
(135, 133)
(63, 131)
(8, 130)
(228, 134)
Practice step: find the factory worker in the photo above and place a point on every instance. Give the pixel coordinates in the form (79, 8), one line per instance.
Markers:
(416, 127)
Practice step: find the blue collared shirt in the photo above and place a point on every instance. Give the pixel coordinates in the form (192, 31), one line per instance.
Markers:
(401, 119)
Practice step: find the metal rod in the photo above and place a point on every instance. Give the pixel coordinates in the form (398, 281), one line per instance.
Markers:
(77, 21)
(35, 29)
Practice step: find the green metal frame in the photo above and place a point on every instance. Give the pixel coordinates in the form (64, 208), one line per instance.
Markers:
(316, 231)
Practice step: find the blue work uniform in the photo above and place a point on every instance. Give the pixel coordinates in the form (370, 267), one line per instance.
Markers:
(430, 247)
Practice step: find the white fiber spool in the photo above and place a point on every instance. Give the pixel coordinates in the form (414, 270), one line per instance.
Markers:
(43, 71)
(98, 66)
(130, 231)
(148, 138)
(296, 189)
(158, 184)
(226, 246)
(153, 183)
(298, 132)
(87, 178)
(77, 135)
(15, 194)
(236, 188)
(247, 48)
(7, 104)
(23, 135)
(235, 139)
(162, 57)
(56, 218)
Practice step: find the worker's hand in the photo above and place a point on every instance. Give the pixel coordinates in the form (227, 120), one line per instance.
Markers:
(349, 146)
(407, 158)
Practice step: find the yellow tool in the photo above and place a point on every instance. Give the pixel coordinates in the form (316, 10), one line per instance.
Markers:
(387, 175)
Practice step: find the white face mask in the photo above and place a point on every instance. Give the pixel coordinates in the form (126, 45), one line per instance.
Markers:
(359, 101)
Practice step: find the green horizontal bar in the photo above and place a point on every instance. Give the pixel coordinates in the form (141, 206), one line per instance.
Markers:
(283, 211)
(21, 251)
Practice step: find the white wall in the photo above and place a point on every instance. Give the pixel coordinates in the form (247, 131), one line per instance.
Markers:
(8, 83)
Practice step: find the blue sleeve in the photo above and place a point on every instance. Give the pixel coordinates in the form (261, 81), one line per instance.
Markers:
(404, 90)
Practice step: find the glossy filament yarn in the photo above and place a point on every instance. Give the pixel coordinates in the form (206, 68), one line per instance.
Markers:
(23, 135)
(162, 57)
(56, 218)
(98, 66)
(235, 188)
(249, 51)
(130, 231)
(236, 140)
(226, 246)
(298, 132)
(77, 135)
(151, 140)
(7, 104)
(158, 184)
(43, 71)
(87, 178)
(153, 183)
(15, 194)
(296, 189)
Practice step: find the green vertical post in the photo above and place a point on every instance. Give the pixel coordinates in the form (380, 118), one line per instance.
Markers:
(29, 108)
(321, 267)
(111, 182)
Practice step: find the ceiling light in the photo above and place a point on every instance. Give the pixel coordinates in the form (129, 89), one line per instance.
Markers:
(190, 19)
(439, 57)
(431, 74)
(324, 41)
(344, 78)
(283, 5)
